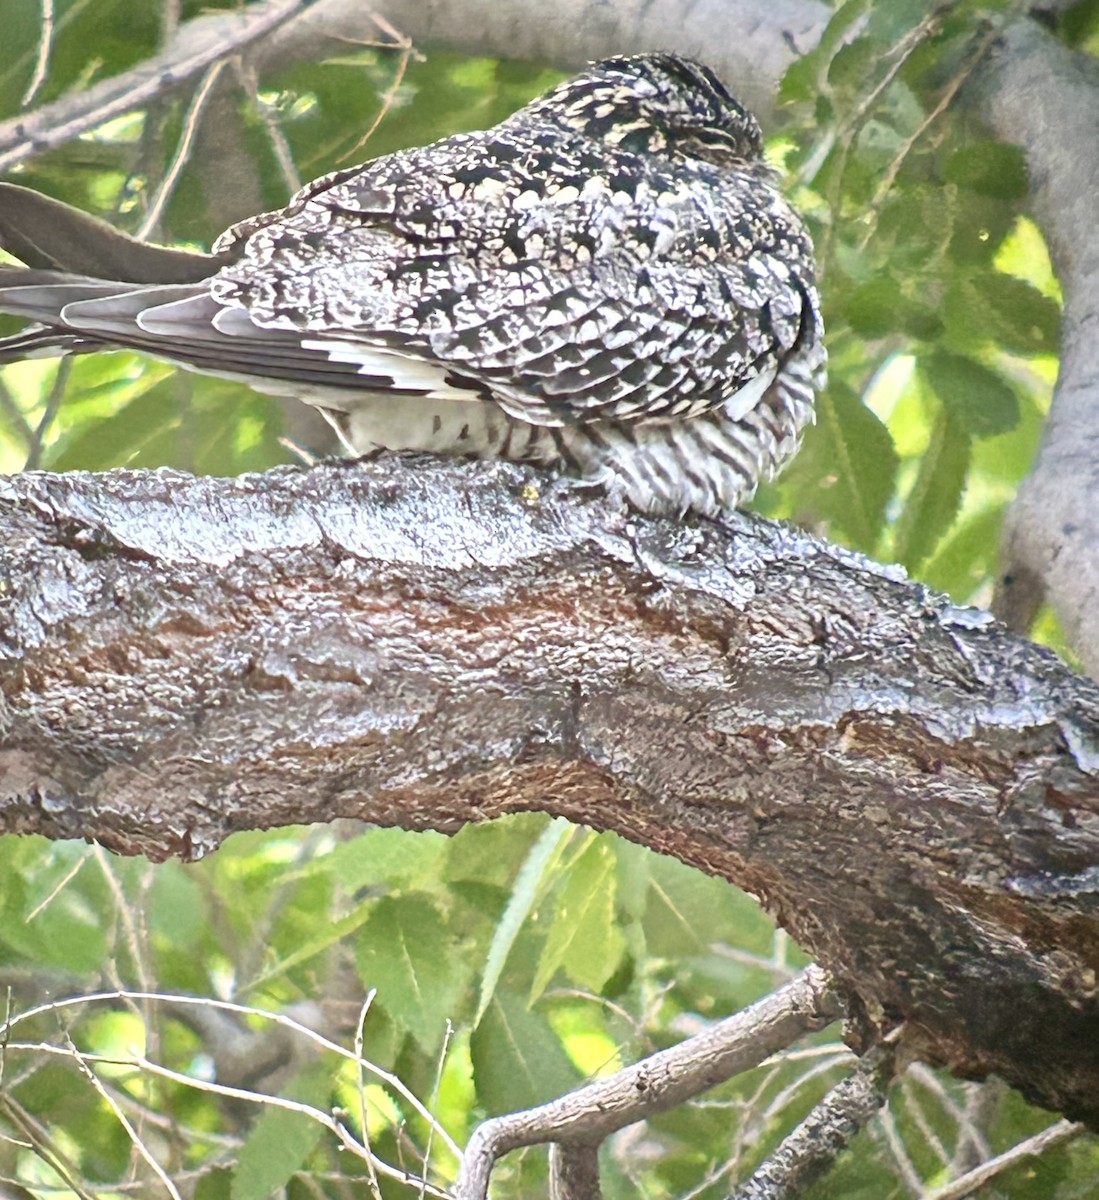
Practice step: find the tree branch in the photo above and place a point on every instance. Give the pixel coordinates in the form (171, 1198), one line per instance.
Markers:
(758, 39)
(910, 790)
(1045, 97)
(807, 1153)
(195, 46)
(583, 1118)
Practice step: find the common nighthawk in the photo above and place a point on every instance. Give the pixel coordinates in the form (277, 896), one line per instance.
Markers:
(608, 281)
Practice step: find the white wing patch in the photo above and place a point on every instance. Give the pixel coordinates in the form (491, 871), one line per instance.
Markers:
(741, 402)
(404, 371)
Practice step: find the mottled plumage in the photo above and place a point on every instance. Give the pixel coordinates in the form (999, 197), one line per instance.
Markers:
(608, 280)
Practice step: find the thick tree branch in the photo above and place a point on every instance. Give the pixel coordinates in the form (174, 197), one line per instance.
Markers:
(1046, 98)
(751, 43)
(912, 792)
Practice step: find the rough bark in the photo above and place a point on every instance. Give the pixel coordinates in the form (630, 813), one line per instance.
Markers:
(912, 791)
(1033, 91)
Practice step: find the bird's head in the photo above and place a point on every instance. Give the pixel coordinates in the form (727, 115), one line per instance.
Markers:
(656, 104)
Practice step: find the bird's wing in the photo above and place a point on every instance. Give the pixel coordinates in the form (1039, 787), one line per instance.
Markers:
(567, 290)
(581, 297)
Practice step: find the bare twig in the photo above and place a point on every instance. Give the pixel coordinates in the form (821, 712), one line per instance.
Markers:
(343, 1135)
(375, 1189)
(124, 1121)
(45, 47)
(906, 1168)
(183, 150)
(279, 144)
(53, 403)
(966, 1185)
(197, 45)
(889, 177)
(387, 1078)
(812, 1148)
(57, 889)
(657, 1083)
(398, 41)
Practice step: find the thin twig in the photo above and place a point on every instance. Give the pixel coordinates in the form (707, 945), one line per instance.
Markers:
(197, 45)
(375, 1189)
(906, 1168)
(399, 42)
(183, 150)
(45, 47)
(279, 144)
(57, 888)
(53, 403)
(806, 1153)
(905, 148)
(967, 1184)
(345, 1137)
(43, 1145)
(13, 416)
(125, 915)
(123, 1120)
(902, 51)
(435, 1097)
(386, 1077)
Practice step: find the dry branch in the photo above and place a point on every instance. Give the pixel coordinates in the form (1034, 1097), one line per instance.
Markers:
(581, 1119)
(193, 49)
(913, 792)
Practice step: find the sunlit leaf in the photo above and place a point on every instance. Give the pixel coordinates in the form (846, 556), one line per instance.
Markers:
(584, 940)
(405, 952)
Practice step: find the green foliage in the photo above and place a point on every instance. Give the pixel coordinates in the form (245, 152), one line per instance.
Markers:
(555, 954)
(281, 1140)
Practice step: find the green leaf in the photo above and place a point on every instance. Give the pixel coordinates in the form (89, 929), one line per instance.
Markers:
(1020, 318)
(405, 951)
(988, 167)
(281, 1140)
(584, 939)
(966, 559)
(529, 886)
(116, 439)
(688, 911)
(871, 307)
(936, 494)
(518, 1060)
(976, 397)
(800, 81)
(852, 63)
(849, 458)
(388, 857)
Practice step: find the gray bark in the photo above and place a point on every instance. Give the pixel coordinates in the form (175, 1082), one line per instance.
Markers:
(912, 791)
(1046, 98)
(750, 43)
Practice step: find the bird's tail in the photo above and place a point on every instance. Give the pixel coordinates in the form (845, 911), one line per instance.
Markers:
(70, 257)
(49, 235)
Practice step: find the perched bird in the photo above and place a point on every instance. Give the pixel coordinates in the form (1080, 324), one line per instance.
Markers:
(609, 282)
